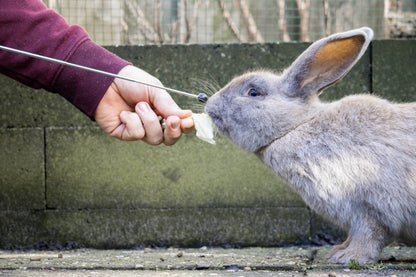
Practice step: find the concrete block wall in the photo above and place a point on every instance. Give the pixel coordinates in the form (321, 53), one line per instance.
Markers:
(63, 179)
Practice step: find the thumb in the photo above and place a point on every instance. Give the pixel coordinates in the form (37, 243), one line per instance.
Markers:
(166, 107)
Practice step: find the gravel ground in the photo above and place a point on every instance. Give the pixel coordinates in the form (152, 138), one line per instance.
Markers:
(284, 261)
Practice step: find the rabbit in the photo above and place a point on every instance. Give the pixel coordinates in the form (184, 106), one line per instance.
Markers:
(352, 161)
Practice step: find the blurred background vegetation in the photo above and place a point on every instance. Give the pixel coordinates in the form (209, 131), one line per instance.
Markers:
(115, 22)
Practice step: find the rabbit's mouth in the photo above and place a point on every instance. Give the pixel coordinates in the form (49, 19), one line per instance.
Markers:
(215, 118)
(218, 122)
(214, 109)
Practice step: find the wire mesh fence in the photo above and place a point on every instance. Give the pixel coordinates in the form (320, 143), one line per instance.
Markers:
(112, 22)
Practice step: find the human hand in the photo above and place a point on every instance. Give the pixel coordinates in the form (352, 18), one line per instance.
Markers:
(129, 111)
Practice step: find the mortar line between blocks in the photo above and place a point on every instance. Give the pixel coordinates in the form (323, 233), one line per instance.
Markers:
(44, 168)
(370, 49)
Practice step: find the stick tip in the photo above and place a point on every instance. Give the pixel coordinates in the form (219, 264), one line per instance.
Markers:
(202, 97)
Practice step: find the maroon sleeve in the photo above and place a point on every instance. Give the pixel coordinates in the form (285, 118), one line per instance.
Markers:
(28, 25)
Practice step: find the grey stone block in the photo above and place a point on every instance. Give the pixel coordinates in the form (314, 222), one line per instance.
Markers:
(88, 169)
(179, 227)
(123, 228)
(394, 69)
(22, 178)
(21, 227)
(22, 106)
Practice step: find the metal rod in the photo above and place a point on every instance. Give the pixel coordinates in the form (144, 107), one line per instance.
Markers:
(200, 97)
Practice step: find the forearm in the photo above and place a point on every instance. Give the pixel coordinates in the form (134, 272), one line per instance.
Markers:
(82, 88)
(28, 25)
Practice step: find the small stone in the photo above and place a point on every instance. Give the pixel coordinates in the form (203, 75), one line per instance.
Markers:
(247, 268)
(202, 266)
(180, 254)
(332, 274)
(231, 267)
(60, 256)
(139, 267)
(162, 259)
(147, 250)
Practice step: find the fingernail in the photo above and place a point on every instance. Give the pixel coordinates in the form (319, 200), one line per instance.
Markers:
(188, 120)
(143, 107)
(188, 113)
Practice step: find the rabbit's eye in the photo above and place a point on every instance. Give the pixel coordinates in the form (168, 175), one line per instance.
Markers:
(253, 92)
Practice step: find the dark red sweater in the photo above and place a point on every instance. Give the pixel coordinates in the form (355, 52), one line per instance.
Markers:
(28, 25)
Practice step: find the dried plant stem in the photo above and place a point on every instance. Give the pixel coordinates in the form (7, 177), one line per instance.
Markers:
(187, 34)
(326, 17)
(146, 29)
(227, 17)
(173, 32)
(249, 22)
(157, 25)
(191, 24)
(303, 8)
(282, 24)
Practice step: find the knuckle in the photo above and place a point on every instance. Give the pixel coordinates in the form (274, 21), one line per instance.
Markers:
(130, 136)
(155, 141)
(159, 140)
(138, 135)
(172, 138)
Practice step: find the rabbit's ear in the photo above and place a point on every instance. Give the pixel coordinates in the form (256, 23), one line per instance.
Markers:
(326, 61)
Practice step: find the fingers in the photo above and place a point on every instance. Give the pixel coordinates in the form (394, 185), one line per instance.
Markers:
(173, 130)
(153, 129)
(145, 103)
(187, 125)
(144, 125)
(175, 127)
(140, 125)
(166, 106)
(132, 128)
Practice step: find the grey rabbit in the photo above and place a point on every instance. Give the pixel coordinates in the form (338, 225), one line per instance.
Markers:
(353, 161)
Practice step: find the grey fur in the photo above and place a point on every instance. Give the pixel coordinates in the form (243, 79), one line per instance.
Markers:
(352, 161)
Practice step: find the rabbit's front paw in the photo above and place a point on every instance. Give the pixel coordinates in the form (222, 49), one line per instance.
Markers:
(344, 256)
